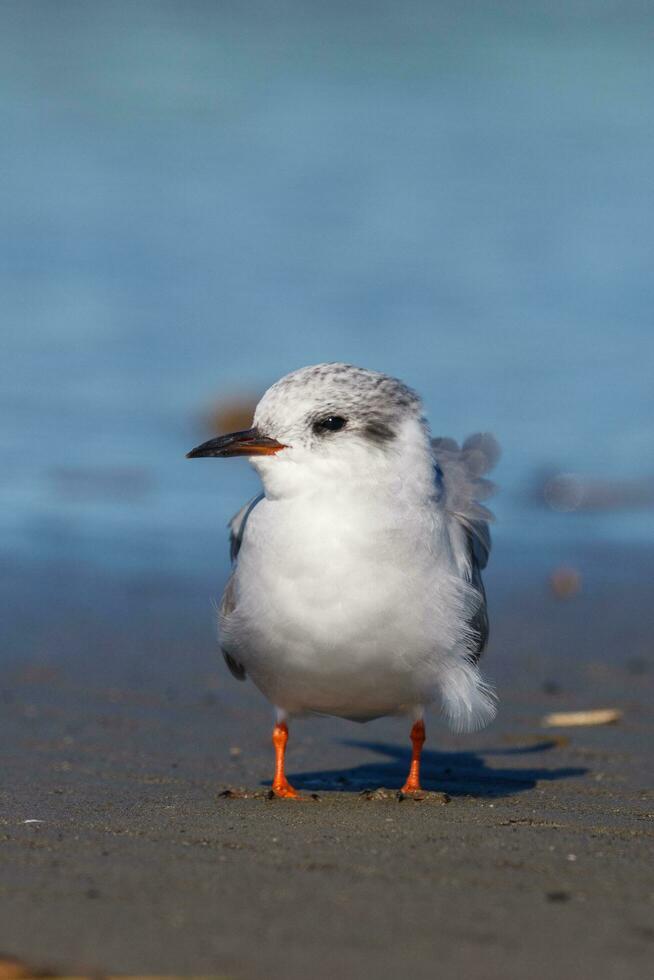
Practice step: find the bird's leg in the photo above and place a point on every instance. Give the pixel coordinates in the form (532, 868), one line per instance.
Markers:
(281, 786)
(412, 784)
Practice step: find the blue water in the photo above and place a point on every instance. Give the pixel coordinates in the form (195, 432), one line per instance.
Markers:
(199, 197)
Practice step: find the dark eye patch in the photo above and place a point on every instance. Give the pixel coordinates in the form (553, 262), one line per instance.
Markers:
(379, 431)
(331, 423)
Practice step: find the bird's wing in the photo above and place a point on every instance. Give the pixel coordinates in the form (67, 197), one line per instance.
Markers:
(460, 475)
(227, 603)
(237, 526)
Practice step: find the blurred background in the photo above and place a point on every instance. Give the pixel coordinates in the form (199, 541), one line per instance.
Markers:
(199, 197)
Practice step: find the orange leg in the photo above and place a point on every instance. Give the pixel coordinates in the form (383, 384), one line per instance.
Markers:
(281, 786)
(412, 784)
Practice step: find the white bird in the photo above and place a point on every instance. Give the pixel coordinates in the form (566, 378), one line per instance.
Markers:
(356, 587)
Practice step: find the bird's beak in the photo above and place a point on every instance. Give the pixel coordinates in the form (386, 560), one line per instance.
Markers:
(247, 443)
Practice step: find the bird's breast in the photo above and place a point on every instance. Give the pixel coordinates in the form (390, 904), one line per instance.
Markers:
(336, 608)
(333, 577)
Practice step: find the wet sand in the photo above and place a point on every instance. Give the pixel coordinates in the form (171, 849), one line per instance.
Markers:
(120, 728)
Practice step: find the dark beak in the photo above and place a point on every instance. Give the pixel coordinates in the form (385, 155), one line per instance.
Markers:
(247, 443)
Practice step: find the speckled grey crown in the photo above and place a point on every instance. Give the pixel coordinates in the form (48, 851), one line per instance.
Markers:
(374, 403)
(355, 382)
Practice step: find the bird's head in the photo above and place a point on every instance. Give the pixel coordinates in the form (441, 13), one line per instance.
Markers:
(328, 420)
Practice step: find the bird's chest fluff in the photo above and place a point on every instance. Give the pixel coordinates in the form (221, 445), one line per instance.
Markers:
(331, 595)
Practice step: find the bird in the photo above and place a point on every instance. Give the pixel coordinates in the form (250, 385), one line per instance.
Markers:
(356, 587)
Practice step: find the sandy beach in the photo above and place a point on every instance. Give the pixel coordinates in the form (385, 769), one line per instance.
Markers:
(121, 729)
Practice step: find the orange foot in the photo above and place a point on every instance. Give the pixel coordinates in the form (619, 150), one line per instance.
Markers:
(283, 789)
(412, 784)
(281, 786)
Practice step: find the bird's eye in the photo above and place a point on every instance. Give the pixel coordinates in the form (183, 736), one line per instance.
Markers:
(330, 424)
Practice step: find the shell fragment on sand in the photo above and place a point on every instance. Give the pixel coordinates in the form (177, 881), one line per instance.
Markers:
(598, 716)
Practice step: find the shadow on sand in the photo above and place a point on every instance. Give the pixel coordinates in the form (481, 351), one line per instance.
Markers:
(457, 773)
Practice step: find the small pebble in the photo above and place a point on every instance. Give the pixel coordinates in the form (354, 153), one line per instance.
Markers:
(558, 896)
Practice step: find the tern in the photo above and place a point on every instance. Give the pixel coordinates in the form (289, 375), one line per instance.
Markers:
(356, 586)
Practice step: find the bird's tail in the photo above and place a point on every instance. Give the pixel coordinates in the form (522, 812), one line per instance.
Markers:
(468, 702)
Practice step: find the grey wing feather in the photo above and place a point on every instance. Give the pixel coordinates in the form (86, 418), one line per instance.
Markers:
(479, 621)
(236, 531)
(237, 526)
(236, 669)
(461, 474)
